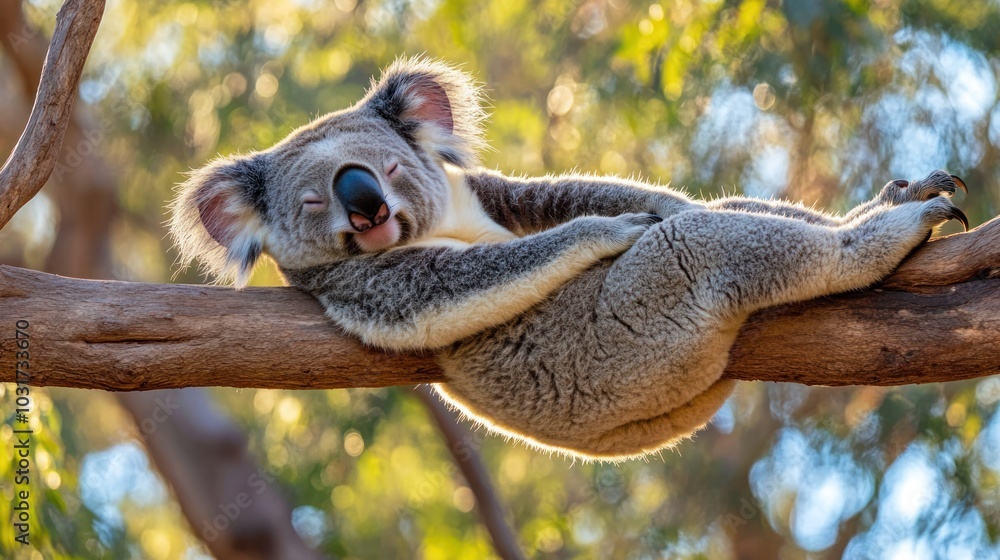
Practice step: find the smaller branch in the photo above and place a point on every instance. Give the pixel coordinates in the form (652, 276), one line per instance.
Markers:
(465, 450)
(33, 159)
(86, 198)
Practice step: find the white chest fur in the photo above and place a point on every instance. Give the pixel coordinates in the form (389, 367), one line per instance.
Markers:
(465, 222)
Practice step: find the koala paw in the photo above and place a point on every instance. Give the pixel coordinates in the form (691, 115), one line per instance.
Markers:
(634, 225)
(939, 210)
(616, 235)
(938, 183)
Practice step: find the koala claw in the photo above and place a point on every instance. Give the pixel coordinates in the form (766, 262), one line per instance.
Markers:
(940, 210)
(960, 183)
(938, 183)
(956, 213)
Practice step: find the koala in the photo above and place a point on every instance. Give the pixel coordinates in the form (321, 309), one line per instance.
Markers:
(591, 316)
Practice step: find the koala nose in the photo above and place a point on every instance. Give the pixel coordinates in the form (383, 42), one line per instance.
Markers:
(360, 195)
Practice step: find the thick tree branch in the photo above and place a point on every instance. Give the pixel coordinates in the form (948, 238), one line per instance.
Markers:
(123, 336)
(33, 159)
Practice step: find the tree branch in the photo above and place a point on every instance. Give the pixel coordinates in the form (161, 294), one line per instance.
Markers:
(28, 167)
(465, 450)
(123, 336)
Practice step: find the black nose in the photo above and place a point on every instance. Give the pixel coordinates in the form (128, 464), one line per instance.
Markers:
(360, 195)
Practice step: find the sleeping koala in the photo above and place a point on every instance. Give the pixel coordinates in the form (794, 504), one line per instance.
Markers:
(587, 315)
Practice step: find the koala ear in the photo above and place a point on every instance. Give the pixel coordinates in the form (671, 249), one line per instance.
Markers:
(217, 217)
(433, 106)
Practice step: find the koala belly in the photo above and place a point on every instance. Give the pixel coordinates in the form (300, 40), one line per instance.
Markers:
(599, 370)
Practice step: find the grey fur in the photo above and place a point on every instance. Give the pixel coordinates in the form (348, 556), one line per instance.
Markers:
(564, 311)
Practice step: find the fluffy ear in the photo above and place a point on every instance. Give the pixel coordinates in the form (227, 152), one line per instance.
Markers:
(432, 105)
(217, 217)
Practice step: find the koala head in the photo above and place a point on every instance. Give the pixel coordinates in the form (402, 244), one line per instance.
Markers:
(359, 180)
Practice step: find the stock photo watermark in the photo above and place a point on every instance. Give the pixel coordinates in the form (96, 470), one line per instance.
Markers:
(21, 452)
(230, 511)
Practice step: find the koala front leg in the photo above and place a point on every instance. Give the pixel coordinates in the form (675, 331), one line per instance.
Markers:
(938, 183)
(427, 298)
(774, 208)
(527, 205)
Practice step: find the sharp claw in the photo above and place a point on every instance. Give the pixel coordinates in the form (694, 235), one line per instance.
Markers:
(957, 214)
(961, 184)
(901, 183)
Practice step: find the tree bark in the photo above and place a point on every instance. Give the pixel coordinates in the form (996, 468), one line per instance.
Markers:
(124, 336)
(28, 167)
(237, 508)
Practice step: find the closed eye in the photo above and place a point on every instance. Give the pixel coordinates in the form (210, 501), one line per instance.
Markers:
(312, 202)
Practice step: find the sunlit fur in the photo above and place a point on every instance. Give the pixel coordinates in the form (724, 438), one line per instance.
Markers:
(233, 261)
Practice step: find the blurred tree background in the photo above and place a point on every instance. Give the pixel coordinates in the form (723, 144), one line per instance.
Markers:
(822, 101)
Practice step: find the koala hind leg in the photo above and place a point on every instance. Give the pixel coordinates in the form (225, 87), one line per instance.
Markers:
(675, 301)
(737, 263)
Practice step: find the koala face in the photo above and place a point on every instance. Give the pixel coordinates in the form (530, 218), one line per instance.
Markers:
(347, 184)
(360, 180)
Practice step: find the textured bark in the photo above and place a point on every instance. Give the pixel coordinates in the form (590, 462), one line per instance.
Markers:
(123, 336)
(83, 185)
(33, 159)
(875, 338)
(937, 318)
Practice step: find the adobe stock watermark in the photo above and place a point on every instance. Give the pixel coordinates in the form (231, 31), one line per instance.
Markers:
(229, 512)
(731, 522)
(164, 408)
(748, 510)
(21, 452)
(74, 155)
(18, 39)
